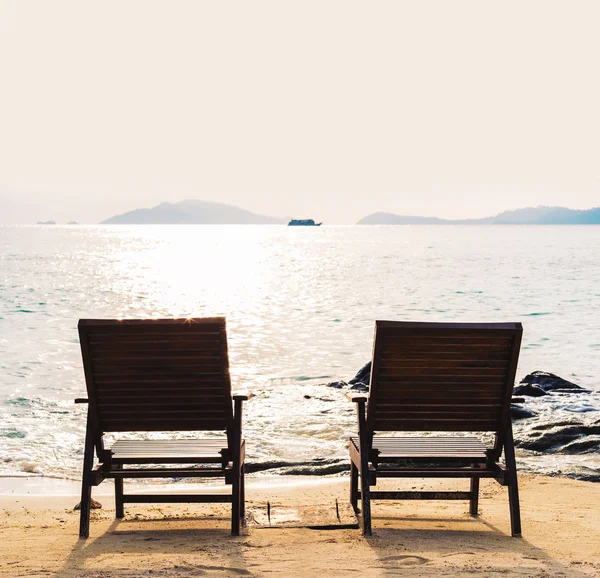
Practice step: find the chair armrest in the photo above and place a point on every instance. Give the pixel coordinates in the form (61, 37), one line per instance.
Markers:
(81, 400)
(241, 396)
(357, 398)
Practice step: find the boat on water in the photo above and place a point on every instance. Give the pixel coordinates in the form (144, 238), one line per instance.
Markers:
(303, 223)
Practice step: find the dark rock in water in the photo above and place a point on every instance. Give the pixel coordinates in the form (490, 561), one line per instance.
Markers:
(559, 437)
(549, 382)
(318, 466)
(545, 426)
(529, 389)
(585, 477)
(312, 469)
(337, 384)
(549, 440)
(363, 375)
(517, 412)
(582, 446)
(326, 399)
(363, 387)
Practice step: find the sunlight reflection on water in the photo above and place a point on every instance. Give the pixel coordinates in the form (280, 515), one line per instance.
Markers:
(300, 305)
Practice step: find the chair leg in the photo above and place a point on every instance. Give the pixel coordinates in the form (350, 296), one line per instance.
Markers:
(86, 486)
(237, 489)
(119, 508)
(474, 502)
(513, 486)
(515, 510)
(365, 493)
(86, 503)
(354, 486)
(243, 496)
(235, 504)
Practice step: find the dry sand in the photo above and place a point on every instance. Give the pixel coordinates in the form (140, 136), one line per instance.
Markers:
(561, 536)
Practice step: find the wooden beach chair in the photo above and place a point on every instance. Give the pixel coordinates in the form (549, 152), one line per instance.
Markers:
(437, 377)
(164, 375)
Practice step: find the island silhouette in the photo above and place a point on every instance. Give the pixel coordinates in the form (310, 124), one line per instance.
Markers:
(197, 212)
(193, 212)
(527, 216)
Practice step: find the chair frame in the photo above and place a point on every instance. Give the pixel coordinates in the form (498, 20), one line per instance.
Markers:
(365, 457)
(227, 462)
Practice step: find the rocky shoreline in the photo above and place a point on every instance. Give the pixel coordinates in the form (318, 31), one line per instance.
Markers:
(539, 429)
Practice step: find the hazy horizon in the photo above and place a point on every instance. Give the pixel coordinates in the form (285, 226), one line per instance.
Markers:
(330, 110)
(287, 216)
(508, 210)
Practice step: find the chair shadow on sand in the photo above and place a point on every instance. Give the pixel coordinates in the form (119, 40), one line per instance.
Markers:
(463, 550)
(131, 547)
(165, 548)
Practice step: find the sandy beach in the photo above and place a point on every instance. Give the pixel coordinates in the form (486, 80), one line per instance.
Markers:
(561, 534)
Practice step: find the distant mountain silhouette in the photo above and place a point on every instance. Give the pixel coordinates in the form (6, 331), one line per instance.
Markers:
(526, 216)
(192, 212)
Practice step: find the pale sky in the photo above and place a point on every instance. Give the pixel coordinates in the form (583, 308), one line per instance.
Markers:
(323, 109)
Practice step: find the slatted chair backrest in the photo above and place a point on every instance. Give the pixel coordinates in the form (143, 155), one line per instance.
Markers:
(157, 375)
(442, 376)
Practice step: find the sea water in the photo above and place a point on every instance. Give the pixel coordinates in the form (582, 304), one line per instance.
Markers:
(300, 306)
